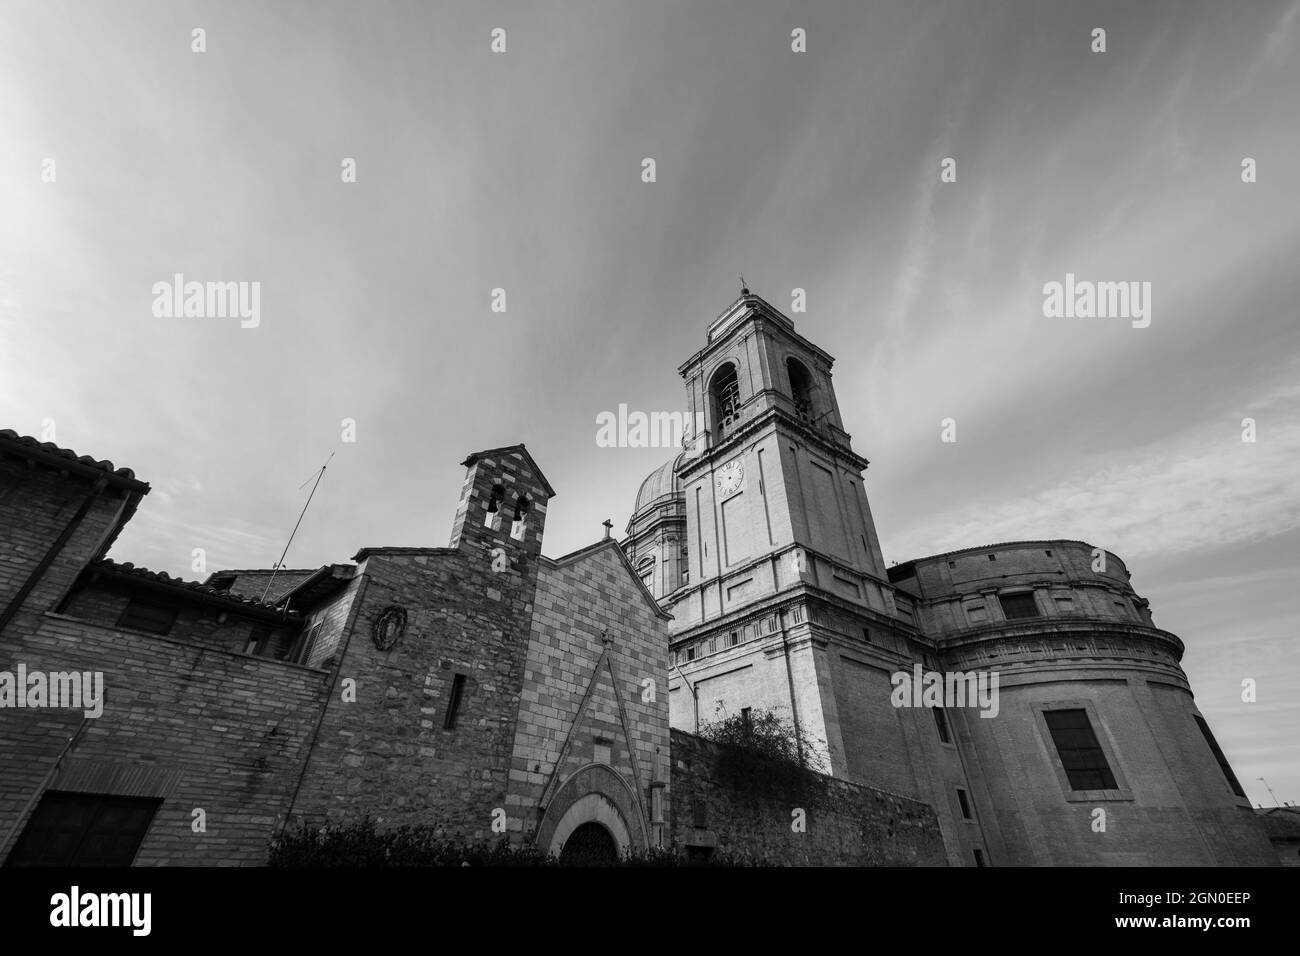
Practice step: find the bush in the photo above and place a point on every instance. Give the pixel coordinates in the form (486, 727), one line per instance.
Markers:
(763, 752)
(363, 844)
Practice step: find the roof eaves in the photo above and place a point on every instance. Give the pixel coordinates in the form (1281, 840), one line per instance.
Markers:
(510, 449)
(203, 592)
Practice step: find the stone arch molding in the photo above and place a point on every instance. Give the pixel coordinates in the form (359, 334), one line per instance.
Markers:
(595, 794)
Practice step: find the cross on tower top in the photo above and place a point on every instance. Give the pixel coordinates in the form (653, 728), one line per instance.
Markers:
(608, 525)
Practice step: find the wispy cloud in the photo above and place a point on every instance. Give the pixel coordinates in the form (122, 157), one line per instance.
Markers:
(1199, 490)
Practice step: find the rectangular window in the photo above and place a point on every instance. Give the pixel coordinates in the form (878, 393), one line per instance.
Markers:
(1219, 756)
(965, 804)
(1020, 605)
(453, 703)
(866, 634)
(941, 721)
(735, 638)
(744, 714)
(979, 858)
(713, 644)
(1081, 755)
(690, 653)
(257, 639)
(141, 615)
(84, 829)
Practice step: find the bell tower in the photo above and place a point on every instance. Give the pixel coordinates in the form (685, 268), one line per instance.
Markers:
(774, 493)
(787, 605)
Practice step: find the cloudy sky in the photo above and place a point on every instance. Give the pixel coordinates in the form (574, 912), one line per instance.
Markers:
(817, 170)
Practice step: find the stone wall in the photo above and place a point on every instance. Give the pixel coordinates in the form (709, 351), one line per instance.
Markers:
(384, 750)
(594, 692)
(844, 824)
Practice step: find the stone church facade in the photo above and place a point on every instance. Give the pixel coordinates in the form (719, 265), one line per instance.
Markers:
(490, 692)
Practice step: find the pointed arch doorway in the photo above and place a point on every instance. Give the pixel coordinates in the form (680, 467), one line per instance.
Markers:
(593, 809)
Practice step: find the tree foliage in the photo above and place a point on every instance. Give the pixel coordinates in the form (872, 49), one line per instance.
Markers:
(762, 752)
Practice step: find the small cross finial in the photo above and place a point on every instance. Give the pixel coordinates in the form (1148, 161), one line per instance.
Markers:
(608, 525)
(744, 289)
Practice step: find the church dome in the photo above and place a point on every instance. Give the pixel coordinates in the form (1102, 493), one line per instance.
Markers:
(660, 482)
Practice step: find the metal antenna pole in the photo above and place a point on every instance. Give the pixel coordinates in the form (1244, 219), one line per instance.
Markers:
(276, 570)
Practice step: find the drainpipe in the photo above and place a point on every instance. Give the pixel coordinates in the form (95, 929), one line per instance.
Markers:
(694, 697)
(39, 571)
(794, 709)
(350, 627)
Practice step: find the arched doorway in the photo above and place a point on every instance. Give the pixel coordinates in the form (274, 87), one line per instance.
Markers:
(590, 844)
(595, 794)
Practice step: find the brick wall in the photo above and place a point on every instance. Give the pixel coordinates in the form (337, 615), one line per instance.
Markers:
(35, 507)
(195, 726)
(846, 824)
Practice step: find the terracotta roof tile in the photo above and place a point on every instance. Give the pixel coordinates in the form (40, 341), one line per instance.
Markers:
(162, 577)
(27, 444)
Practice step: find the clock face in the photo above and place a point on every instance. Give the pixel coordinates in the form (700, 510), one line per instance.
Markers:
(730, 477)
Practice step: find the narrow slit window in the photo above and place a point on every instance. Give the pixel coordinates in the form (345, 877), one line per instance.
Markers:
(941, 721)
(965, 803)
(453, 703)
